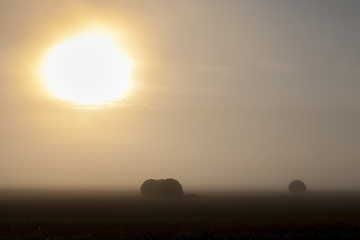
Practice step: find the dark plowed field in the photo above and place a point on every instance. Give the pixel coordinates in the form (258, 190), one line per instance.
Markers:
(242, 215)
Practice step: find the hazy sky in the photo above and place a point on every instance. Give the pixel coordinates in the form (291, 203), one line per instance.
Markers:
(229, 93)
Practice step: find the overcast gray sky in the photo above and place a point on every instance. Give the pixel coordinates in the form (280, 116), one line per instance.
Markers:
(243, 93)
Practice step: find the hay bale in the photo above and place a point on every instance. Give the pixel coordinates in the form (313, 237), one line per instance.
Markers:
(297, 186)
(149, 188)
(162, 188)
(169, 188)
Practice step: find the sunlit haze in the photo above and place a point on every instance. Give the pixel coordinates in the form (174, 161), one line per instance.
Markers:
(87, 69)
(216, 94)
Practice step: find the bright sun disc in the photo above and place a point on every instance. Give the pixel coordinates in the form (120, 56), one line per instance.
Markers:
(88, 69)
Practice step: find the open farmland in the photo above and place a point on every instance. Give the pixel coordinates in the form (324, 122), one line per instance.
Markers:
(126, 215)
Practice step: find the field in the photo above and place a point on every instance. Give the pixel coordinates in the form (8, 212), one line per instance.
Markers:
(110, 214)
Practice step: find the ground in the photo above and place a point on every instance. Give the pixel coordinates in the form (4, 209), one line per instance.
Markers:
(115, 214)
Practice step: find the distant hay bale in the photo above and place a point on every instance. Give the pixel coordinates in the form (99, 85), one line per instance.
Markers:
(149, 188)
(297, 186)
(162, 188)
(170, 188)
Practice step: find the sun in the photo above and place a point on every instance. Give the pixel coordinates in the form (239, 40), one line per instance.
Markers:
(89, 69)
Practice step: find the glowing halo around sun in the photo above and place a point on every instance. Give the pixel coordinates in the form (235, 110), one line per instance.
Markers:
(88, 69)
